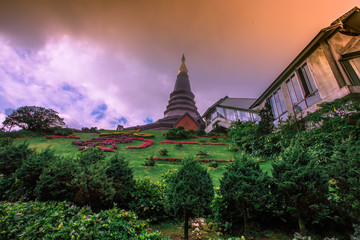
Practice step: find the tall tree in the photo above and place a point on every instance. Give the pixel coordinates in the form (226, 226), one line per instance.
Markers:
(266, 123)
(300, 183)
(33, 118)
(189, 192)
(244, 188)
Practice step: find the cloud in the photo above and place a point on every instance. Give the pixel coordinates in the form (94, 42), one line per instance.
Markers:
(73, 77)
(73, 56)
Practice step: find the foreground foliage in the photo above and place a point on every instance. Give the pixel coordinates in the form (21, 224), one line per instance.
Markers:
(62, 220)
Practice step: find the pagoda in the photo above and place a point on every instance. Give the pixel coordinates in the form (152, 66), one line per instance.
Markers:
(181, 109)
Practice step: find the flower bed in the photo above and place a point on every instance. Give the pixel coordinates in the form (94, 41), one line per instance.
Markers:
(172, 159)
(207, 136)
(76, 137)
(197, 143)
(147, 143)
(102, 141)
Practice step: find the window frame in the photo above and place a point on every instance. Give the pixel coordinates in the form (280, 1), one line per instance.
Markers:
(274, 105)
(349, 69)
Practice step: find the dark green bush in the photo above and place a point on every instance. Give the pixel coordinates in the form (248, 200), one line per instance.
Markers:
(149, 200)
(123, 180)
(189, 192)
(177, 133)
(55, 181)
(300, 184)
(93, 187)
(244, 193)
(150, 162)
(163, 152)
(91, 155)
(12, 156)
(214, 164)
(28, 174)
(59, 131)
(200, 132)
(62, 220)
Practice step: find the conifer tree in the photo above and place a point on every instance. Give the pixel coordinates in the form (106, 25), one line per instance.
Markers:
(123, 180)
(189, 192)
(299, 183)
(266, 123)
(244, 188)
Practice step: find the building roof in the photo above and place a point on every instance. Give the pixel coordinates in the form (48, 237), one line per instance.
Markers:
(235, 103)
(346, 22)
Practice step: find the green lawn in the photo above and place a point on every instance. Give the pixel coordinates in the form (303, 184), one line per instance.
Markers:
(136, 157)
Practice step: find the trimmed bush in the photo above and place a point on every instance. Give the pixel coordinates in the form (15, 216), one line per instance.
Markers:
(149, 200)
(122, 178)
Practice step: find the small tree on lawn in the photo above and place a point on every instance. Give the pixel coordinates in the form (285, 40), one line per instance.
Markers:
(266, 123)
(244, 188)
(123, 180)
(33, 118)
(300, 184)
(189, 192)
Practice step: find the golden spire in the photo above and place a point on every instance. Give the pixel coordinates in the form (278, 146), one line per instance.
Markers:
(183, 66)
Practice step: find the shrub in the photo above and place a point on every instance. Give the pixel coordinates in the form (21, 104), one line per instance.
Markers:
(345, 172)
(91, 155)
(244, 190)
(214, 139)
(149, 200)
(28, 174)
(12, 156)
(299, 184)
(123, 180)
(163, 152)
(200, 132)
(213, 164)
(177, 133)
(62, 220)
(178, 145)
(93, 187)
(59, 131)
(150, 162)
(189, 192)
(55, 181)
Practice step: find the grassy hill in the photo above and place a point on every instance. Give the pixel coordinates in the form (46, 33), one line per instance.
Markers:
(136, 157)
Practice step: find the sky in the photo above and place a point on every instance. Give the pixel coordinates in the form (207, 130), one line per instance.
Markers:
(104, 63)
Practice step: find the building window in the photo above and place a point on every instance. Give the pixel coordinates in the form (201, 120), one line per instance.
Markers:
(220, 112)
(231, 114)
(243, 116)
(352, 67)
(277, 103)
(309, 87)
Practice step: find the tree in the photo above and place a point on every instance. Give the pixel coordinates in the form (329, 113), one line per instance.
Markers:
(300, 184)
(266, 123)
(123, 180)
(33, 118)
(244, 188)
(345, 173)
(189, 192)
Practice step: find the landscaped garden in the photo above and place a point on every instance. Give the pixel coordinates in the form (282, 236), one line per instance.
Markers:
(296, 180)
